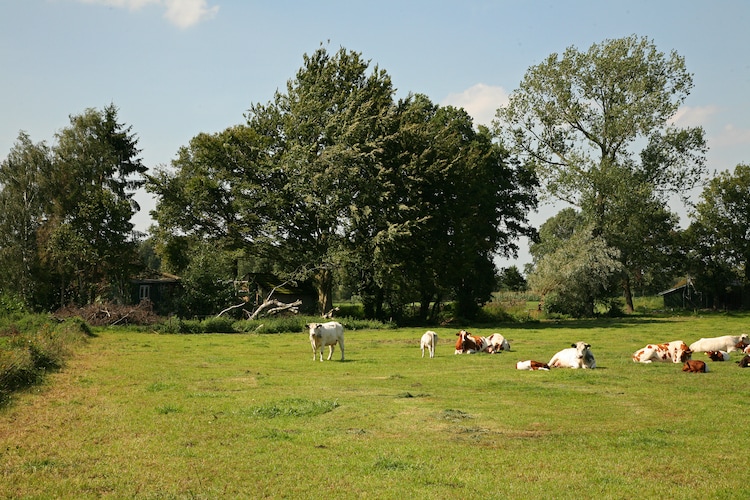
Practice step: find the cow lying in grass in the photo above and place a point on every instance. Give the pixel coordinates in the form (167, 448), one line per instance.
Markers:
(695, 366)
(579, 355)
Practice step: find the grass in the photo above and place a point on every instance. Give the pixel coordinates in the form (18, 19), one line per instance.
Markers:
(252, 416)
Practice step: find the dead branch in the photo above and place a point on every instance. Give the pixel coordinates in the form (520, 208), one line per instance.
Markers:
(279, 306)
(231, 307)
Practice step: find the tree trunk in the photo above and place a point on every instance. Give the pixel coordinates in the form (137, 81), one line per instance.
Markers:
(323, 281)
(628, 293)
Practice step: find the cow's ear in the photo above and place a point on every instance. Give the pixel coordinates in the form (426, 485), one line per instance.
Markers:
(573, 345)
(588, 346)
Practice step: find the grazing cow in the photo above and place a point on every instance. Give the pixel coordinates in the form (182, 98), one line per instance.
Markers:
(497, 343)
(326, 334)
(695, 366)
(745, 361)
(726, 343)
(530, 364)
(470, 344)
(429, 340)
(718, 355)
(675, 351)
(577, 356)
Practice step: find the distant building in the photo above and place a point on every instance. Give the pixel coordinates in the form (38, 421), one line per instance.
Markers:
(685, 295)
(162, 289)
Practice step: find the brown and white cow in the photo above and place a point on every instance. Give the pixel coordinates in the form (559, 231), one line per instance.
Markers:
(470, 344)
(579, 355)
(695, 366)
(530, 364)
(497, 343)
(676, 352)
(745, 361)
(718, 355)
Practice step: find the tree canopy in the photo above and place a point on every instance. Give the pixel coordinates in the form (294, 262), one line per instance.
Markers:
(404, 201)
(596, 128)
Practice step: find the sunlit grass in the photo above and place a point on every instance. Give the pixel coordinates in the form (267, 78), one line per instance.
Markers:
(136, 415)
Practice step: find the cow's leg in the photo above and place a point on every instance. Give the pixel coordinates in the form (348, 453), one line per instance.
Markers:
(423, 351)
(330, 352)
(315, 351)
(341, 346)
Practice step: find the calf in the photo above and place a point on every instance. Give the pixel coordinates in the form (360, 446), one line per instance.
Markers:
(577, 356)
(326, 334)
(718, 355)
(725, 343)
(530, 364)
(497, 343)
(695, 366)
(429, 340)
(745, 361)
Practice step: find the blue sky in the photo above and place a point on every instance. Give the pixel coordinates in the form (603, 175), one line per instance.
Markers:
(176, 68)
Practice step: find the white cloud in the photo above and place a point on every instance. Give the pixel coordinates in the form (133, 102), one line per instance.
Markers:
(185, 13)
(731, 136)
(687, 116)
(480, 101)
(181, 13)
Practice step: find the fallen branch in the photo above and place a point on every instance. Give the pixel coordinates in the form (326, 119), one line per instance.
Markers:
(279, 306)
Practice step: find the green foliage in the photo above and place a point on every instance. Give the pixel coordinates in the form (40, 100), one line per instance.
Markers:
(720, 234)
(576, 275)
(576, 119)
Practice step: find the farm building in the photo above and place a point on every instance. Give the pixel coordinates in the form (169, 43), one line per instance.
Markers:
(161, 289)
(685, 295)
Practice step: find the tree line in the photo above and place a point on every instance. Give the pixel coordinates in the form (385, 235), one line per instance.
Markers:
(337, 183)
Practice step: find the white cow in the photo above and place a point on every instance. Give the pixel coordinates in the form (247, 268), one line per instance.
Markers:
(326, 334)
(577, 356)
(497, 343)
(429, 341)
(726, 343)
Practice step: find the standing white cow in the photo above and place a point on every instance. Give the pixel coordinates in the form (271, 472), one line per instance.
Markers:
(429, 341)
(326, 334)
(577, 356)
(726, 343)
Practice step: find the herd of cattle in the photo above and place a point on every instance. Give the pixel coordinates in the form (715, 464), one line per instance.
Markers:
(578, 355)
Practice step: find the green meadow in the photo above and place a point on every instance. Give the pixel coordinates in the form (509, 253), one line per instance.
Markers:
(145, 415)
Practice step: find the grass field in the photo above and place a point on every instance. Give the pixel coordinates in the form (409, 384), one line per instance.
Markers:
(138, 415)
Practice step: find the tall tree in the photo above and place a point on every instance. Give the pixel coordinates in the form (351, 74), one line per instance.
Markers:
(22, 209)
(579, 118)
(86, 239)
(327, 130)
(720, 231)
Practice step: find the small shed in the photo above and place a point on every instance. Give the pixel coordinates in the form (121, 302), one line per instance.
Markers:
(684, 295)
(162, 289)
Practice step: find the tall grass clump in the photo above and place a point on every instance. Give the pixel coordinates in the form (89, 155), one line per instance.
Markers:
(34, 346)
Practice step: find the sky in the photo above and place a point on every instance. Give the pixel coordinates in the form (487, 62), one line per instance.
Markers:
(176, 68)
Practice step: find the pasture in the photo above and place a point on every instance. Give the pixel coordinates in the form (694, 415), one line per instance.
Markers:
(139, 415)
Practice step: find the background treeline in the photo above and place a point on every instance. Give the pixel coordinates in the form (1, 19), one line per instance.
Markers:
(401, 203)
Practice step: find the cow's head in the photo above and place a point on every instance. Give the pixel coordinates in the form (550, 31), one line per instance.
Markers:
(314, 329)
(714, 355)
(582, 348)
(741, 344)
